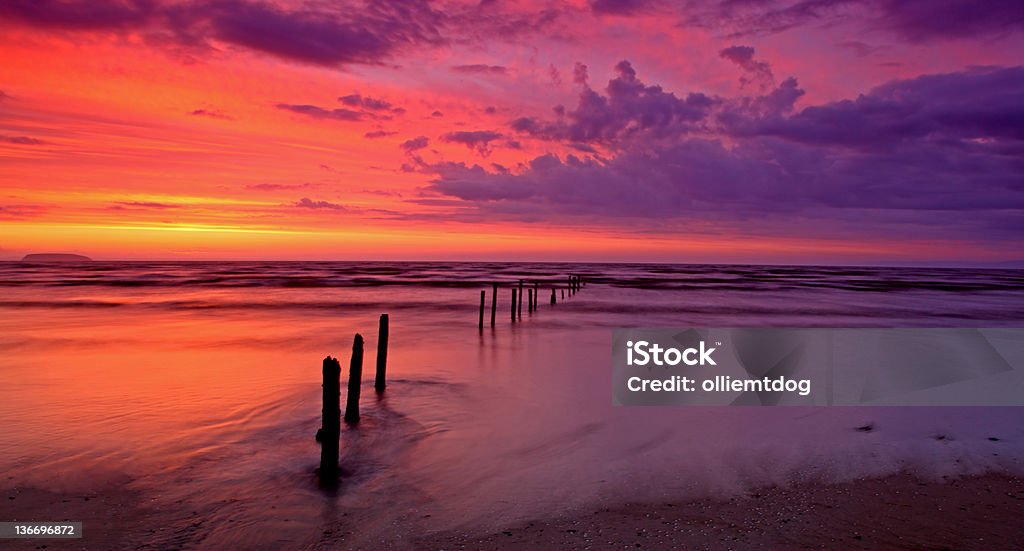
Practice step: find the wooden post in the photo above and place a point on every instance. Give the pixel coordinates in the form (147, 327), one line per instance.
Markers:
(382, 353)
(519, 307)
(536, 296)
(483, 296)
(355, 379)
(494, 302)
(570, 285)
(513, 305)
(529, 303)
(330, 430)
(552, 296)
(563, 293)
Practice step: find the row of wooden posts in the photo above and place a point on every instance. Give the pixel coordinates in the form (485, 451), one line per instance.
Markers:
(573, 285)
(329, 434)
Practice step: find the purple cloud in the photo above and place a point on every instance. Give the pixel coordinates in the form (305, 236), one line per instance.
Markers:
(372, 135)
(310, 33)
(319, 33)
(619, 7)
(414, 144)
(80, 14)
(480, 69)
(277, 187)
(628, 108)
(307, 203)
(757, 71)
(477, 140)
(210, 114)
(937, 156)
(579, 74)
(145, 205)
(913, 20)
(327, 37)
(21, 140)
(321, 113)
(978, 107)
(10, 212)
(366, 102)
(919, 20)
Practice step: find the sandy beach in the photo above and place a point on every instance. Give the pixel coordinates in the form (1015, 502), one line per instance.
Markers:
(895, 512)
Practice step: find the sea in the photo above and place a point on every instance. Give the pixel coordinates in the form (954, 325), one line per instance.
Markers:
(195, 386)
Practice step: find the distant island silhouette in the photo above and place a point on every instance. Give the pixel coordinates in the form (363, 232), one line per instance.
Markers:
(55, 257)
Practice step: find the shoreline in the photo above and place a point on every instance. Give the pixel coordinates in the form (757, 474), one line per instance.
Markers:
(901, 511)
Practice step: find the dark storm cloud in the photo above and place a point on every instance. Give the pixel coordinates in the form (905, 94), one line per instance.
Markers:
(80, 14)
(628, 107)
(913, 20)
(315, 33)
(937, 154)
(312, 32)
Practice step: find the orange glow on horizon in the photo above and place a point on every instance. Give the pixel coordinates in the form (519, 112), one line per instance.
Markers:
(120, 148)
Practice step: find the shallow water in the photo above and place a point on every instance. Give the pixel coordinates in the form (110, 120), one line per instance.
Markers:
(197, 385)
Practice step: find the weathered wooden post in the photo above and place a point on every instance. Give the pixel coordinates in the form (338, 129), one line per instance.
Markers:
(529, 300)
(494, 302)
(382, 354)
(330, 430)
(552, 296)
(519, 307)
(483, 295)
(513, 305)
(355, 379)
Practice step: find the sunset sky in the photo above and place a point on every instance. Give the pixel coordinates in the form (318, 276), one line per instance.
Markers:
(815, 131)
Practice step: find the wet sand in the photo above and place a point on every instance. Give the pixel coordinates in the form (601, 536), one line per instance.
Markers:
(896, 512)
(110, 517)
